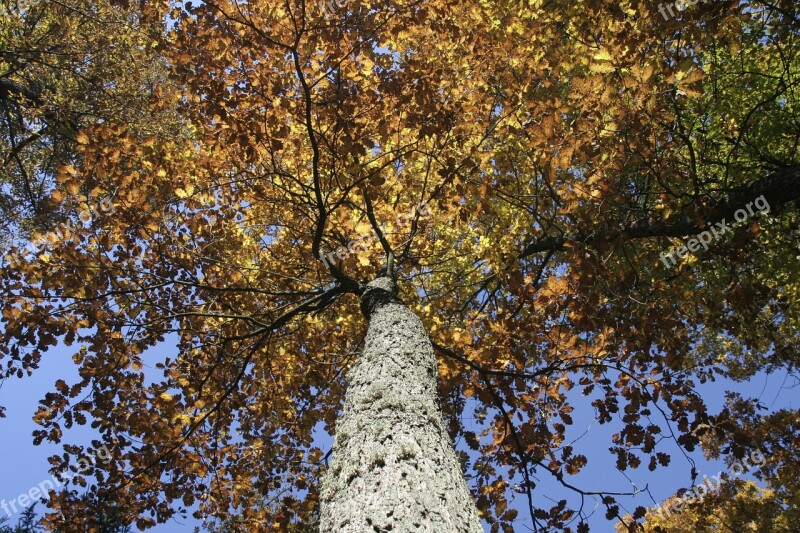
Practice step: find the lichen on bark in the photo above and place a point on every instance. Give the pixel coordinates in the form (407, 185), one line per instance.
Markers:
(394, 467)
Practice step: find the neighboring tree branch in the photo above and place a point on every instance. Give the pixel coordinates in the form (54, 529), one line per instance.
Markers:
(10, 89)
(779, 188)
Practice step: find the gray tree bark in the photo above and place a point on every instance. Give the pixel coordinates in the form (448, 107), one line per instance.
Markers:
(394, 467)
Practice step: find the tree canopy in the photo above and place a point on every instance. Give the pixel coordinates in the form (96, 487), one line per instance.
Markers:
(559, 186)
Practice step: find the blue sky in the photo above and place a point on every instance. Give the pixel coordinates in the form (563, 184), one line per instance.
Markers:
(26, 465)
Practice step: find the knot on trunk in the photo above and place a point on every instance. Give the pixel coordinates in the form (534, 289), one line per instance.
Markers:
(378, 292)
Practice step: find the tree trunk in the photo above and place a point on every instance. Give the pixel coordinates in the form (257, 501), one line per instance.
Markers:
(394, 467)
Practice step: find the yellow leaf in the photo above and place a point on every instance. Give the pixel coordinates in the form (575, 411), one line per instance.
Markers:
(603, 55)
(691, 76)
(601, 68)
(82, 138)
(65, 172)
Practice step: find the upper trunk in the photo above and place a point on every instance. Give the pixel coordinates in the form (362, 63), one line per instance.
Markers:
(394, 467)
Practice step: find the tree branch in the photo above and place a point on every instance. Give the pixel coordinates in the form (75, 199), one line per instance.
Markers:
(779, 188)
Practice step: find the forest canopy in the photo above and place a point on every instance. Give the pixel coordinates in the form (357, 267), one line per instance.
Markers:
(591, 206)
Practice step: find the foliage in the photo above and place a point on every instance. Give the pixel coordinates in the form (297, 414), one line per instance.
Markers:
(29, 523)
(64, 66)
(739, 506)
(562, 147)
